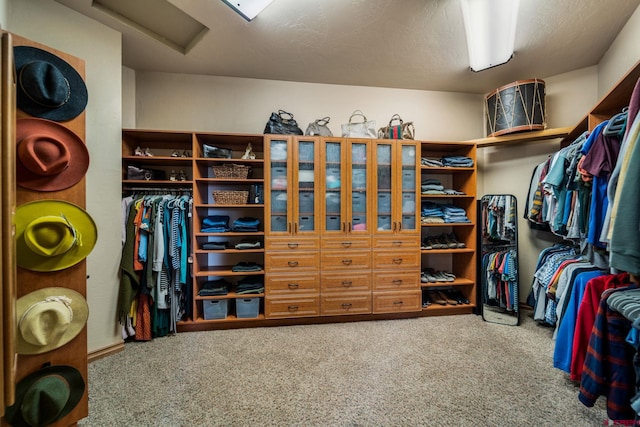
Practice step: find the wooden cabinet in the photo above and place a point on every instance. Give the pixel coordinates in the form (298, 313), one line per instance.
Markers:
(396, 231)
(231, 188)
(347, 167)
(292, 223)
(458, 224)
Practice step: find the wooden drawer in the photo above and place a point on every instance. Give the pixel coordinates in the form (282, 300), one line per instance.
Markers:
(346, 242)
(339, 282)
(392, 281)
(291, 244)
(280, 308)
(345, 260)
(291, 262)
(292, 284)
(397, 302)
(396, 259)
(345, 304)
(399, 242)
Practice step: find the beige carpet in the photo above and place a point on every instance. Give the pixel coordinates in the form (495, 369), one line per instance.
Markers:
(430, 371)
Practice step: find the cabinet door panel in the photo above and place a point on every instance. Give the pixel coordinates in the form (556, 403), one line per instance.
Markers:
(278, 186)
(305, 179)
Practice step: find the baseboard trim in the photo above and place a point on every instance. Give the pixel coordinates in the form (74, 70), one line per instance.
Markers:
(105, 351)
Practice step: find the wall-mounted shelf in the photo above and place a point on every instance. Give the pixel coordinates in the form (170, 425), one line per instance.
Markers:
(522, 137)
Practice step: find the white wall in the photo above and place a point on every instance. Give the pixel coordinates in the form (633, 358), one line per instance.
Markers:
(128, 98)
(57, 26)
(623, 53)
(227, 104)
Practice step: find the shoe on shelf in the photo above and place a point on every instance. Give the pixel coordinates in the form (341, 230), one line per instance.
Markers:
(428, 276)
(447, 298)
(173, 176)
(426, 244)
(457, 295)
(175, 153)
(426, 301)
(455, 240)
(448, 241)
(185, 153)
(147, 152)
(138, 151)
(436, 297)
(182, 176)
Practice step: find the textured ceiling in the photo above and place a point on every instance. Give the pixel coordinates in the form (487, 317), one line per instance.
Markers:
(411, 44)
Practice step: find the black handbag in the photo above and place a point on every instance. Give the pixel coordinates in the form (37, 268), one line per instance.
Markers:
(282, 123)
(136, 173)
(214, 152)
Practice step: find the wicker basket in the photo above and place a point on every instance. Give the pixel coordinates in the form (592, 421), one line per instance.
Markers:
(231, 171)
(233, 197)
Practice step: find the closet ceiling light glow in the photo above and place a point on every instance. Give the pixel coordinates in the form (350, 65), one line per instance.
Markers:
(248, 9)
(490, 26)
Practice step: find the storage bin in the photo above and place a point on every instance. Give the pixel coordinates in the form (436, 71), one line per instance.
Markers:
(333, 202)
(333, 178)
(278, 202)
(384, 203)
(408, 222)
(359, 223)
(359, 178)
(408, 203)
(278, 223)
(359, 202)
(215, 308)
(306, 223)
(305, 203)
(384, 222)
(247, 307)
(305, 152)
(232, 197)
(408, 179)
(333, 223)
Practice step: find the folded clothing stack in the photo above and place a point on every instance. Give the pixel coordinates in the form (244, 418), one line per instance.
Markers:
(434, 186)
(250, 285)
(245, 224)
(210, 246)
(215, 287)
(215, 224)
(431, 162)
(431, 212)
(457, 161)
(248, 244)
(454, 214)
(245, 266)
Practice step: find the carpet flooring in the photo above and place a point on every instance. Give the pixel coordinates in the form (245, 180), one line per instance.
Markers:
(428, 371)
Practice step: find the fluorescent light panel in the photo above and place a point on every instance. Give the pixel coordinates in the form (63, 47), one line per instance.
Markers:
(248, 9)
(490, 26)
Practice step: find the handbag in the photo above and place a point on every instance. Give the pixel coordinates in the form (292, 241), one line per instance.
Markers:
(214, 152)
(319, 128)
(399, 130)
(282, 123)
(363, 129)
(136, 173)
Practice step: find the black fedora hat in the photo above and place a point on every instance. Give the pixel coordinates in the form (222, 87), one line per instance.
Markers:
(45, 396)
(48, 86)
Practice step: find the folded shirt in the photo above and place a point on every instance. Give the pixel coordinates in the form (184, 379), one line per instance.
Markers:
(246, 266)
(215, 245)
(215, 287)
(248, 244)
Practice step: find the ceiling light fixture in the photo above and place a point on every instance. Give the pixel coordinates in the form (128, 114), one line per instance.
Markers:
(248, 9)
(490, 26)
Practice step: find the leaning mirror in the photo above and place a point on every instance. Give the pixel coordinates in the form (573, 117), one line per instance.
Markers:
(499, 262)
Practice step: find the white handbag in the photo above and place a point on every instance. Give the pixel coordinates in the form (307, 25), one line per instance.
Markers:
(363, 129)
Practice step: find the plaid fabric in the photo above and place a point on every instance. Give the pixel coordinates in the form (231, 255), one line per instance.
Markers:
(608, 367)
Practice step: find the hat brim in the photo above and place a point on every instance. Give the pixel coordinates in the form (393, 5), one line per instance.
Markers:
(80, 310)
(79, 155)
(72, 108)
(80, 219)
(13, 415)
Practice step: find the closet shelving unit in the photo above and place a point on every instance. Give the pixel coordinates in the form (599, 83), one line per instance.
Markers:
(461, 262)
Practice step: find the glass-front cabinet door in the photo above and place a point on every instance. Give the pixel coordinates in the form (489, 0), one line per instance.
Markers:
(305, 178)
(346, 181)
(278, 169)
(292, 175)
(396, 183)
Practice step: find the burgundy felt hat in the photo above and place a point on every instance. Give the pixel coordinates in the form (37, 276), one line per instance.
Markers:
(49, 156)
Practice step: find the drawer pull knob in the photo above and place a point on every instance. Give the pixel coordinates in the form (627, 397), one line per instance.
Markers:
(346, 305)
(347, 283)
(397, 243)
(292, 307)
(397, 260)
(347, 261)
(292, 245)
(346, 244)
(293, 285)
(398, 302)
(396, 281)
(293, 263)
